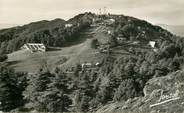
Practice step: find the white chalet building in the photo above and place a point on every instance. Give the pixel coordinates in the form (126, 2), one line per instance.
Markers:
(34, 47)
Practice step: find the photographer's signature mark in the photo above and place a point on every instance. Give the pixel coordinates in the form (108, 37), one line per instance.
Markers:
(166, 98)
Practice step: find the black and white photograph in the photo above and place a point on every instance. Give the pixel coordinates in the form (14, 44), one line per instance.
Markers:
(92, 56)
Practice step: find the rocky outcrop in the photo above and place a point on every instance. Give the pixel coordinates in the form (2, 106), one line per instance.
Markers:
(161, 94)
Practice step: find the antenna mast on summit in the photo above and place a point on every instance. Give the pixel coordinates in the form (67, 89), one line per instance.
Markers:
(100, 11)
(105, 11)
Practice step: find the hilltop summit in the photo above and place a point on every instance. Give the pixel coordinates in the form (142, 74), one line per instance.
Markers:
(53, 33)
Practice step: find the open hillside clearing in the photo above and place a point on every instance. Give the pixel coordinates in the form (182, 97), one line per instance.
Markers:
(77, 53)
(26, 61)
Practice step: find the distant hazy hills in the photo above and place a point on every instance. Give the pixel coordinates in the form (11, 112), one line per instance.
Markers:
(175, 29)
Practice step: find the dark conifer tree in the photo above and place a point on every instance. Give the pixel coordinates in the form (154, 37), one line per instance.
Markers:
(34, 93)
(10, 94)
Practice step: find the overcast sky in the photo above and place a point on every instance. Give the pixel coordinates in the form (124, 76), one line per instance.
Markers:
(155, 11)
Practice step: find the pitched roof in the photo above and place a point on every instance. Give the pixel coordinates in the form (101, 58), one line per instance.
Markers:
(35, 46)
